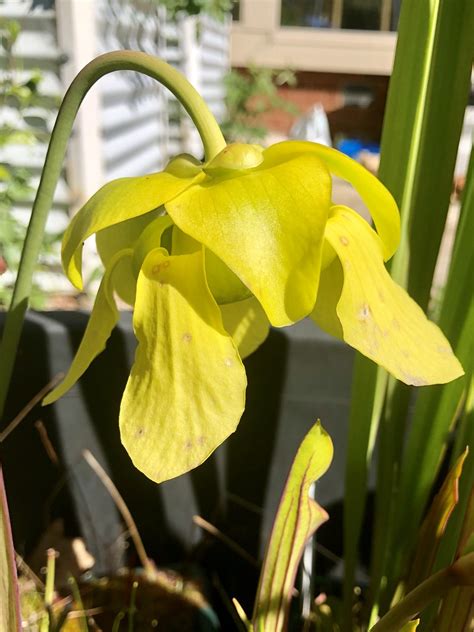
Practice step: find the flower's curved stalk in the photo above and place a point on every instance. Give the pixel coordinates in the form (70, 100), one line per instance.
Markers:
(172, 79)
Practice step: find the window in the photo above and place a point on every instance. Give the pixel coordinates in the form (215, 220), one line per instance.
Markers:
(372, 15)
(236, 10)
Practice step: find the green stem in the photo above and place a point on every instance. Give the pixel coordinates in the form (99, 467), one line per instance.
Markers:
(461, 573)
(193, 103)
(46, 623)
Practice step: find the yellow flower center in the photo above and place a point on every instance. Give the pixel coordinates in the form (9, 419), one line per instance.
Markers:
(235, 157)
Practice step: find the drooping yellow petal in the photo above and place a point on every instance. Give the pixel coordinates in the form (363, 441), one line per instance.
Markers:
(376, 197)
(377, 316)
(225, 286)
(119, 237)
(150, 239)
(266, 224)
(117, 202)
(103, 318)
(186, 390)
(329, 293)
(247, 323)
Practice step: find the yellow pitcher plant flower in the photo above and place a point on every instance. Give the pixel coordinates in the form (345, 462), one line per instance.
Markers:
(210, 255)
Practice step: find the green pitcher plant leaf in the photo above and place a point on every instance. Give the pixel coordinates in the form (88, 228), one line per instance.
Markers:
(298, 516)
(457, 608)
(434, 525)
(10, 619)
(210, 255)
(460, 574)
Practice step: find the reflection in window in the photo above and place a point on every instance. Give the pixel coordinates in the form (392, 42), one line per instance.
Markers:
(236, 11)
(373, 15)
(316, 13)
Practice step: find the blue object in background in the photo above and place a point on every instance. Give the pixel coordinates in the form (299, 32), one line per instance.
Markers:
(353, 146)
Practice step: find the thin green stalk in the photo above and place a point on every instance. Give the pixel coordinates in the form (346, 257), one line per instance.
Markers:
(46, 622)
(10, 612)
(117, 621)
(132, 607)
(172, 79)
(76, 593)
(461, 573)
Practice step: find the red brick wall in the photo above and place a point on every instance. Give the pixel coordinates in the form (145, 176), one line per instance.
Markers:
(328, 89)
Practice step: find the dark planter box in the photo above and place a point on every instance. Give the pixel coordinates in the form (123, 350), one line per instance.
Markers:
(297, 376)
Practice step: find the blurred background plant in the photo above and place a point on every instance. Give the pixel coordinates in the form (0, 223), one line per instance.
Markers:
(218, 9)
(249, 96)
(21, 123)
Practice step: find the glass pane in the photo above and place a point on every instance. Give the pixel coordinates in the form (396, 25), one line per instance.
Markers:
(395, 14)
(361, 14)
(236, 10)
(316, 13)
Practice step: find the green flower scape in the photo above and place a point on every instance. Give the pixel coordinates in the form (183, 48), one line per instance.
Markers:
(210, 255)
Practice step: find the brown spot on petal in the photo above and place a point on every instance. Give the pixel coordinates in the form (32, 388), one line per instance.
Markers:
(188, 444)
(344, 241)
(140, 432)
(364, 312)
(187, 337)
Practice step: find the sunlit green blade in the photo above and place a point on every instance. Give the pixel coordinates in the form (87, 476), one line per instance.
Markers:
(9, 601)
(436, 408)
(428, 94)
(367, 397)
(297, 519)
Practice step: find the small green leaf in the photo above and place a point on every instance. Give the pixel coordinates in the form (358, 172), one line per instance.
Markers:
(297, 519)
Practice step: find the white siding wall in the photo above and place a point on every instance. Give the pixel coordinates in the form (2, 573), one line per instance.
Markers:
(134, 107)
(134, 125)
(36, 48)
(128, 124)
